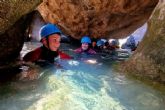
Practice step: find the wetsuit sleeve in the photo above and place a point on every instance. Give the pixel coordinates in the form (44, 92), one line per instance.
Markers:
(79, 50)
(64, 56)
(91, 51)
(33, 55)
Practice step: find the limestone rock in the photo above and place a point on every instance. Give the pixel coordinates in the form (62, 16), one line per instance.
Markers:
(97, 18)
(12, 10)
(12, 26)
(149, 59)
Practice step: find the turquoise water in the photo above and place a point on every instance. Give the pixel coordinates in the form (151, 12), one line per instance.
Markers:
(88, 83)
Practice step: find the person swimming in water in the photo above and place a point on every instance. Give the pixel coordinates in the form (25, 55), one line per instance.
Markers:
(50, 38)
(85, 46)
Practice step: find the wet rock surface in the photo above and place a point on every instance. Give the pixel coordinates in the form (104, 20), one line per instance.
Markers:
(13, 23)
(12, 40)
(149, 59)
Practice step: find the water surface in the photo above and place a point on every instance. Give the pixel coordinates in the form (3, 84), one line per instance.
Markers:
(84, 83)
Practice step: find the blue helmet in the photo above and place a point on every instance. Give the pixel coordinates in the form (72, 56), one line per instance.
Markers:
(113, 42)
(100, 43)
(85, 39)
(49, 29)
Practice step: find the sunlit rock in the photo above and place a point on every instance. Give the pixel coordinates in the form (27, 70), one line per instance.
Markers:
(97, 18)
(149, 59)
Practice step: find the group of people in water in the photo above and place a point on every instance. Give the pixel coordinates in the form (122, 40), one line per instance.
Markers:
(50, 38)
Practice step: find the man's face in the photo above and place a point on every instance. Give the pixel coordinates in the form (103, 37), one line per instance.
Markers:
(54, 42)
(84, 46)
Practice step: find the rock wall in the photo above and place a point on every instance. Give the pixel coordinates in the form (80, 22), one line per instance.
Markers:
(149, 59)
(12, 10)
(32, 31)
(12, 26)
(97, 18)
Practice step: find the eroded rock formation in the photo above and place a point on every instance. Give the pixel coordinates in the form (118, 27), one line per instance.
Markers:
(149, 59)
(12, 26)
(12, 10)
(97, 18)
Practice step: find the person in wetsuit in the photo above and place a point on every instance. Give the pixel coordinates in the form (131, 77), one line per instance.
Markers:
(50, 38)
(85, 46)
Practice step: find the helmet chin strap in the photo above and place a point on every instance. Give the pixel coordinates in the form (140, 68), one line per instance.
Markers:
(47, 40)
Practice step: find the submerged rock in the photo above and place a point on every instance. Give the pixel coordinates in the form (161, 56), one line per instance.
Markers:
(149, 59)
(97, 18)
